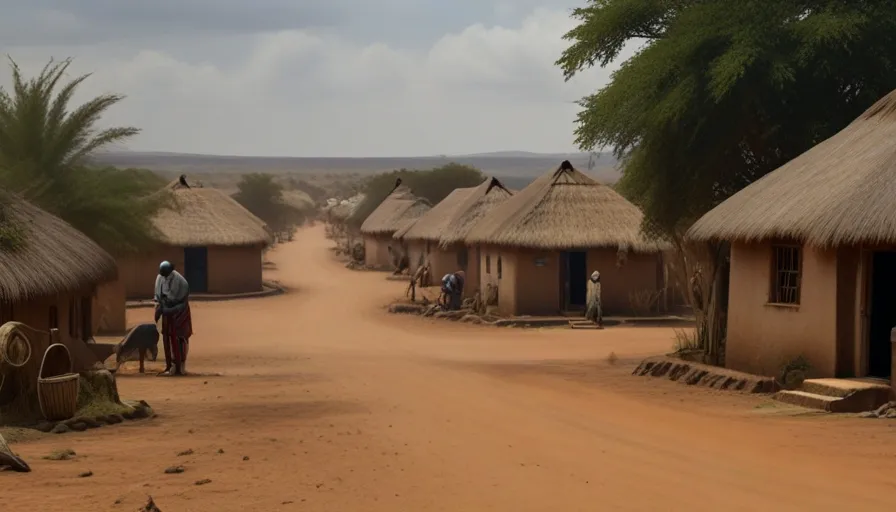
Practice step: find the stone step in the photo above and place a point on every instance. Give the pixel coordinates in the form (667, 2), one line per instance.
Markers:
(808, 400)
(838, 395)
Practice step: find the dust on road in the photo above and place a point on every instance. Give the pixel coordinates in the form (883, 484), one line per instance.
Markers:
(327, 403)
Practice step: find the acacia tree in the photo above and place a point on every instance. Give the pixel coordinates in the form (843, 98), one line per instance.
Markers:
(720, 93)
(263, 196)
(45, 147)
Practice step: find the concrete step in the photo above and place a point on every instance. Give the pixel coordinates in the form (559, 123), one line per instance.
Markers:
(807, 400)
(838, 395)
(582, 324)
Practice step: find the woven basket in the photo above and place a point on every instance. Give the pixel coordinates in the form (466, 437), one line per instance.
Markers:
(57, 386)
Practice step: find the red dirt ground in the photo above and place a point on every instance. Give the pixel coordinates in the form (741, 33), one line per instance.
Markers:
(340, 406)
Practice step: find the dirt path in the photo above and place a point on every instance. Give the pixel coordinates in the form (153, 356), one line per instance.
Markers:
(328, 403)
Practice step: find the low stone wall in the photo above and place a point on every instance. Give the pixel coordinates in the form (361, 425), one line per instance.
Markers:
(696, 374)
(134, 411)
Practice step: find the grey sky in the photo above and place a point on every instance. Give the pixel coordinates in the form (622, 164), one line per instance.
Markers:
(321, 78)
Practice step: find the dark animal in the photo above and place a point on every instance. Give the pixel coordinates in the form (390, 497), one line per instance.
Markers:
(139, 340)
(183, 181)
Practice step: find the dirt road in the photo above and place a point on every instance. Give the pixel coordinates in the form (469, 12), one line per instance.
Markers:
(327, 403)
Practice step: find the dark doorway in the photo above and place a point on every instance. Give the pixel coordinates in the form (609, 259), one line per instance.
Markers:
(196, 268)
(576, 266)
(86, 311)
(883, 313)
(463, 258)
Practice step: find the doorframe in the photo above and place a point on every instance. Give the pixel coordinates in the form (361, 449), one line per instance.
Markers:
(863, 310)
(563, 280)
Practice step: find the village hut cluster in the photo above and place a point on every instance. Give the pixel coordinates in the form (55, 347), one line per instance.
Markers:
(59, 289)
(528, 252)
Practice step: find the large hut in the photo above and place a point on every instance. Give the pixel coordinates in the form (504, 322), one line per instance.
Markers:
(400, 208)
(49, 273)
(813, 256)
(209, 237)
(437, 237)
(539, 246)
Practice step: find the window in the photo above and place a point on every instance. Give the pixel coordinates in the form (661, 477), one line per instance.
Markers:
(53, 318)
(786, 274)
(488, 264)
(499, 267)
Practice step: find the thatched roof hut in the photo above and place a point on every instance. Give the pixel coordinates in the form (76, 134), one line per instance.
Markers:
(207, 216)
(429, 225)
(399, 207)
(838, 193)
(48, 256)
(478, 204)
(564, 209)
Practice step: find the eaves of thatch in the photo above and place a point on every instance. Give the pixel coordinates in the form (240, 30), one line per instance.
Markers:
(840, 192)
(200, 217)
(399, 207)
(564, 210)
(43, 255)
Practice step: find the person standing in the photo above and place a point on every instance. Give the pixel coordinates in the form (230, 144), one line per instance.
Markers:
(172, 294)
(593, 310)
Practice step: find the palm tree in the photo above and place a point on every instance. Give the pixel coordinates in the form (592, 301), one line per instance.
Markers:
(45, 147)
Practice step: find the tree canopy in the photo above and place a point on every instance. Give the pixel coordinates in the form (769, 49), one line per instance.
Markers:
(263, 196)
(45, 146)
(720, 92)
(432, 185)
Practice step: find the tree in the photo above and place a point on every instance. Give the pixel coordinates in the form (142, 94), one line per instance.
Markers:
(721, 93)
(45, 146)
(263, 196)
(432, 185)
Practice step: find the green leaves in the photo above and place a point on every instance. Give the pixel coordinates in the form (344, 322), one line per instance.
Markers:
(720, 92)
(263, 196)
(45, 145)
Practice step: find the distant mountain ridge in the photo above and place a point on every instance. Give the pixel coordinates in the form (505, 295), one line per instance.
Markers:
(503, 164)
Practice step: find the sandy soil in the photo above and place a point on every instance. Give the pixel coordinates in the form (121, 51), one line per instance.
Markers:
(326, 402)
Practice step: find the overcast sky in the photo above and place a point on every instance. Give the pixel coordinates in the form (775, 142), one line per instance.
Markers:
(315, 77)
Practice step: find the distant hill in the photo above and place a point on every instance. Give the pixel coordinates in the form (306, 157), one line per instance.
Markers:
(515, 167)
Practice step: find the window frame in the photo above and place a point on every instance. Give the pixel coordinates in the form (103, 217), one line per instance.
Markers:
(779, 284)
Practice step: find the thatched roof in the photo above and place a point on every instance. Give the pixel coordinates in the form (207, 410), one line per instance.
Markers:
(449, 221)
(208, 217)
(51, 257)
(564, 209)
(838, 193)
(431, 224)
(399, 207)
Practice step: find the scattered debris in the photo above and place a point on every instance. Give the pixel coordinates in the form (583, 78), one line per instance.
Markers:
(85, 474)
(888, 410)
(186, 452)
(220, 451)
(246, 457)
(150, 506)
(203, 481)
(66, 454)
(175, 470)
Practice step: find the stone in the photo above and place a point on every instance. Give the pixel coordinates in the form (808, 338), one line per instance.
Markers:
(175, 470)
(867, 414)
(78, 426)
(203, 481)
(45, 426)
(85, 474)
(890, 414)
(113, 419)
(61, 428)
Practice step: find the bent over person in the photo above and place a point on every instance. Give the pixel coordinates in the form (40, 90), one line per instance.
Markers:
(172, 294)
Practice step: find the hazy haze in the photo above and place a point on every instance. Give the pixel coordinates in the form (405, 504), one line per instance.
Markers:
(311, 78)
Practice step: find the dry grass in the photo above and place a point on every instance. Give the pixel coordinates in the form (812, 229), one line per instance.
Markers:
(564, 209)
(432, 224)
(475, 207)
(52, 258)
(643, 302)
(400, 207)
(686, 340)
(208, 216)
(838, 193)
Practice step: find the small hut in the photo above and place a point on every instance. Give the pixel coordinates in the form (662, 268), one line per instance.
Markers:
(49, 272)
(539, 247)
(813, 256)
(209, 237)
(400, 208)
(437, 237)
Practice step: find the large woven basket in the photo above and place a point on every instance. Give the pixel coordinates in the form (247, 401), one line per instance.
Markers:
(57, 386)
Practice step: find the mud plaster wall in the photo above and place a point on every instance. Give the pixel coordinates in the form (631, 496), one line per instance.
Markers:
(488, 274)
(109, 312)
(639, 273)
(763, 337)
(537, 288)
(36, 314)
(376, 250)
(234, 269)
(138, 272)
(442, 261)
(416, 254)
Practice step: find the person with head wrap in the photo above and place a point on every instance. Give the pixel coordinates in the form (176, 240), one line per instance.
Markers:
(172, 294)
(593, 310)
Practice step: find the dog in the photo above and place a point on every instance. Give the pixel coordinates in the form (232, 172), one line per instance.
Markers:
(139, 341)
